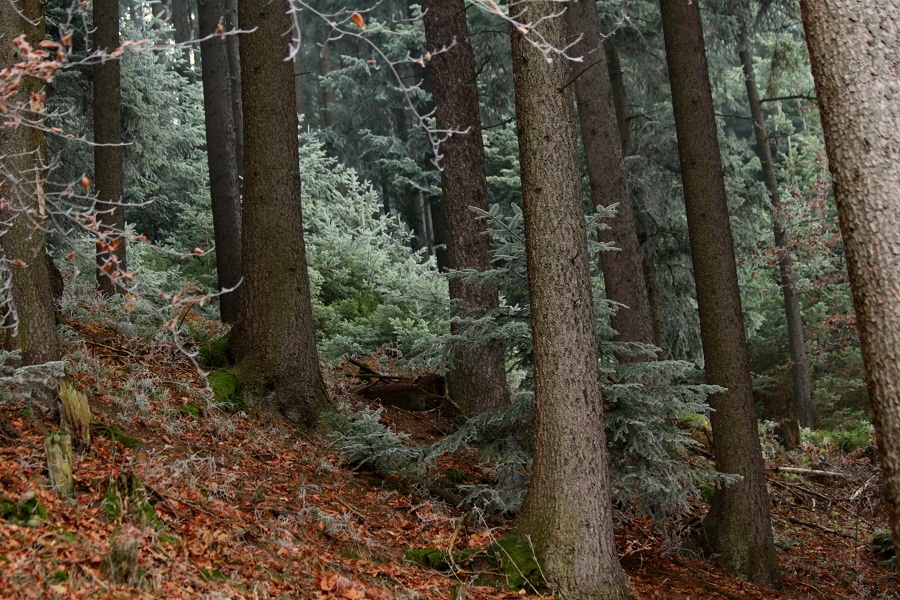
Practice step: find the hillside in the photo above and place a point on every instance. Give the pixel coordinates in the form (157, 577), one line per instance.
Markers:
(223, 504)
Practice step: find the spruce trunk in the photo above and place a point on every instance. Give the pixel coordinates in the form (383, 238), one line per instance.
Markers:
(220, 151)
(623, 274)
(477, 377)
(273, 341)
(799, 366)
(23, 240)
(568, 510)
(739, 525)
(109, 177)
(856, 67)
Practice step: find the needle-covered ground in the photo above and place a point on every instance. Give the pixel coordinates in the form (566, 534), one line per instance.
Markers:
(201, 502)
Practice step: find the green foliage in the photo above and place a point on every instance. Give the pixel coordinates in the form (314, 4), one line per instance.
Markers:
(369, 289)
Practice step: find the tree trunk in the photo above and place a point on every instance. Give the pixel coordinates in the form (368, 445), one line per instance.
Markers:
(853, 50)
(273, 341)
(568, 510)
(623, 274)
(232, 45)
(23, 238)
(299, 88)
(220, 142)
(181, 19)
(477, 377)
(620, 97)
(739, 523)
(800, 366)
(109, 177)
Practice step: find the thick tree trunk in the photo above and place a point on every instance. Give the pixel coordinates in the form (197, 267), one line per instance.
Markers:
(232, 45)
(23, 239)
(800, 366)
(273, 341)
(739, 522)
(109, 178)
(181, 19)
(568, 509)
(623, 274)
(856, 67)
(477, 377)
(220, 143)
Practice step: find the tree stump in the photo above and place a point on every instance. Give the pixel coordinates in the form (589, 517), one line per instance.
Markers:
(58, 446)
(76, 413)
(122, 561)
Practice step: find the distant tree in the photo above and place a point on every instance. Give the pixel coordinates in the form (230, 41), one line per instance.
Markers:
(739, 525)
(232, 44)
(623, 274)
(853, 48)
(799, 363)
(568, 510)
(273, 340)
(477, 377)
(109, 178)
(22, 236)
(220, 149)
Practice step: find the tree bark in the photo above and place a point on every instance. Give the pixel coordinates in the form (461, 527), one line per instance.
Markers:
(232, 45)
(23, 238)
(853, 50)
(623, 274)
(181, 19)
(220, 144)
(739, 522)
(109, 179)
(568, 510)
(299, 88)
(328, 95)
(800, 366)
(477, 377)
(620, 97)
(273, 341)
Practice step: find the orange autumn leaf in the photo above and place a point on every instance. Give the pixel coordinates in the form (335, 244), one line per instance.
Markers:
(358, 20)
(85, 183)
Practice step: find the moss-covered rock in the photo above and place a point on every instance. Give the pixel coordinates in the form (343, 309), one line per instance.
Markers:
(27, 512)
(226, 388)
(215, 355)
(509, 562)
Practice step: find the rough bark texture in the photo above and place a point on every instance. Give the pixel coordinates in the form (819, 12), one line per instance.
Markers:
(477, 378)
(799, 364)
(568, 509)
(620, 98)
(232, 44)
(220, 145)
(58, 448)
(273, 341)
(623, 274)
(739, 522)
(109, 178)
(856, 66)
(22, 187)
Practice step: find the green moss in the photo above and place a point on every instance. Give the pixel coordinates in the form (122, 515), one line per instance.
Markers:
(190, 409)
(508, 562)
(111, 503)
(138, 504)
(212, 575)
(27, 512)
(215, 355)
(171, 540)
(117, 435)
(225, 385)
(67, 536)
(58, 577)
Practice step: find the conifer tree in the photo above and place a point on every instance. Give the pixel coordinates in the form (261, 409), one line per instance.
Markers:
(109, 178)
(853, 50)
(23, 237)
(477, 377)
(739, 525)
(568, 510)
(273, 340)
(623, 275)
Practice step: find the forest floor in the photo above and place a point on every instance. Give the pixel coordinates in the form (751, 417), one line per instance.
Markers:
(244, 507)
